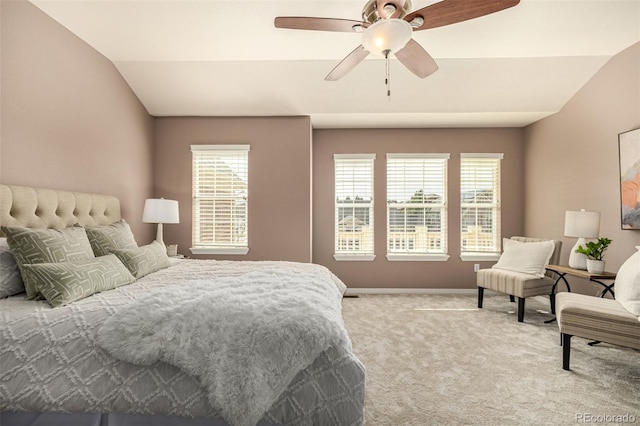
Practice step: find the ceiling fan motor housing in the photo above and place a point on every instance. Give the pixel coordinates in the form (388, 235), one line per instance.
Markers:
(375, 10)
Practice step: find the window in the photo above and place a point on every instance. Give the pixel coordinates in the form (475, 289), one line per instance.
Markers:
(220, 180)
(480, 206)
(354, 206)
(417, 206)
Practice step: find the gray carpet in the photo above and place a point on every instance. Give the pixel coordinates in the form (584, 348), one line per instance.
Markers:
(437, 360)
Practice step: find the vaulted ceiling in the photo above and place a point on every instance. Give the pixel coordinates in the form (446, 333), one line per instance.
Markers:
(226, 58)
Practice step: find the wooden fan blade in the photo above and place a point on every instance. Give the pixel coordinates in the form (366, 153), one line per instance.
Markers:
(451, 11)
(318, 24)
(347, 64)
(416, 59)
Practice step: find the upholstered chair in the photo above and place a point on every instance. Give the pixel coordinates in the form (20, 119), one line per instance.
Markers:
(615, 321)
(517, 284)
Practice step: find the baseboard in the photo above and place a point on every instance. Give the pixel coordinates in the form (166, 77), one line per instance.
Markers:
(357, 291)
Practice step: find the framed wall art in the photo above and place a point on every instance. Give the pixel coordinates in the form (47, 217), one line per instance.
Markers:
(629, 149)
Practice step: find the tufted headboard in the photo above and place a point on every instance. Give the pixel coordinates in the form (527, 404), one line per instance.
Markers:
(48, 208)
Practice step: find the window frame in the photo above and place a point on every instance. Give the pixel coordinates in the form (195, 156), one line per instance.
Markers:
(495, 206)
(427, 255)
(352, 255)
(224, 249)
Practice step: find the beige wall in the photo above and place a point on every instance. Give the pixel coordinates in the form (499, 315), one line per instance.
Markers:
(572, 159)
(381, 273)
(69, 120)
(279, 179)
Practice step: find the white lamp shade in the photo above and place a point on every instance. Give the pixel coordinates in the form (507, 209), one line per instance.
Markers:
(581, 224)
(159, 210)
(386, 34)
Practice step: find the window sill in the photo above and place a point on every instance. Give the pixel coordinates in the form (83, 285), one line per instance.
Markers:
(480, 257)
(354, 257)
(219, 250)
(417, 257)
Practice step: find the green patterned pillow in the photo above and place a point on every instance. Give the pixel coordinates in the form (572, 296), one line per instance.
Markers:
(31, 246)
(144, 260)
(106, 239)
(65, 282)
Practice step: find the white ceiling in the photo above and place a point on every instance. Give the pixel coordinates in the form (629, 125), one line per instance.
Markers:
(225, 58)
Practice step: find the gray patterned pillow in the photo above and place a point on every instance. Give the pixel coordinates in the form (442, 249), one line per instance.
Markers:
(65, 282)
(46, 246)
(10, 280)
(106, 239)
(144, 260)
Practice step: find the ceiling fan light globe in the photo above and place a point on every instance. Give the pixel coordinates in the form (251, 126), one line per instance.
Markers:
(386, 35)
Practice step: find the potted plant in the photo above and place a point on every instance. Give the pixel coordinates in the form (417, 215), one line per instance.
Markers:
(594, 251)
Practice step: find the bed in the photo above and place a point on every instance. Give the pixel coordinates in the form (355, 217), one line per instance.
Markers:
(56, 367)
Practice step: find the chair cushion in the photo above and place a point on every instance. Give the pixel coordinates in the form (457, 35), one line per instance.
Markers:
(594, 318)
(528, 258)
(514, 283)
(628, 284)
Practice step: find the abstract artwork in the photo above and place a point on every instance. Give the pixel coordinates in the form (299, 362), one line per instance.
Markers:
(629, 148)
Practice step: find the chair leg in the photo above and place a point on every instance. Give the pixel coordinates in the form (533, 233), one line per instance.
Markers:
(480, 296)
(511, 298)
(552, 302)
(566, 350)
(520, 309)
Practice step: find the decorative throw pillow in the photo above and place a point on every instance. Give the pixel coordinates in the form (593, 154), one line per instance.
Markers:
(528, 258)
(106, 239)
(628, 284)
(10, 280)
(65, 282)
(144, 260)
(46, 246)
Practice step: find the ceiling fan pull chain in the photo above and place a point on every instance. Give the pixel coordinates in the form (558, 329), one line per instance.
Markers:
(387, 79)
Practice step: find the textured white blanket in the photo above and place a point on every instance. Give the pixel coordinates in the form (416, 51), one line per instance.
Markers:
(243, 337)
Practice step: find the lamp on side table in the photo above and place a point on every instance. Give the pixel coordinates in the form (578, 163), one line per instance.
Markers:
(580, 224)
(159, 210)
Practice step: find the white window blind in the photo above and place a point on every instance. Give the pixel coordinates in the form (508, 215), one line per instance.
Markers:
(220, 184)
(417, 204)
(480, 203)
(354, 204)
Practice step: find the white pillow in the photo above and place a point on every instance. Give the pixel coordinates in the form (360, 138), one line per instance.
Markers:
(628, 284)
(528, 258)
(10, 279)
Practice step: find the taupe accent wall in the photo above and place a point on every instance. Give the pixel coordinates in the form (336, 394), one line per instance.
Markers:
(571, 160)
(69, 120)
(279, 213)
(381, 273)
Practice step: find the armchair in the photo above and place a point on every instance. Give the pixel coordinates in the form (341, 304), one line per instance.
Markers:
(519, 284)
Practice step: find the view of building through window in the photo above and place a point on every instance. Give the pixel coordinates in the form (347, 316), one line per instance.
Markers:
(416, 203)
(480, 203)
(220, 187)
(354, 204)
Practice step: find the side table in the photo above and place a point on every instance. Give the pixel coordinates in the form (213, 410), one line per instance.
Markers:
(595, 278)
(562, 270)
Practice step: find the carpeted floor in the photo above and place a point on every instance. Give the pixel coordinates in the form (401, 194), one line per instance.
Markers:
(437, 360)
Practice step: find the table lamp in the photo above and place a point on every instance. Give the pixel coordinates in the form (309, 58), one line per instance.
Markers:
(580, 224)
(159, 210)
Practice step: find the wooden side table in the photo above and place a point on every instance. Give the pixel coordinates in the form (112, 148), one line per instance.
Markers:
(562, 270)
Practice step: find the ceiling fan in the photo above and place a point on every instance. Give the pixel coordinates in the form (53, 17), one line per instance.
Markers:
(387, 26)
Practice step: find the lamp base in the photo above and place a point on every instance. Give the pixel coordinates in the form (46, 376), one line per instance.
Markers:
(159, 238)
(578, 260)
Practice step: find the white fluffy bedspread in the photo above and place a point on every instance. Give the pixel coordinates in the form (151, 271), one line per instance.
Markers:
(243, 337)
